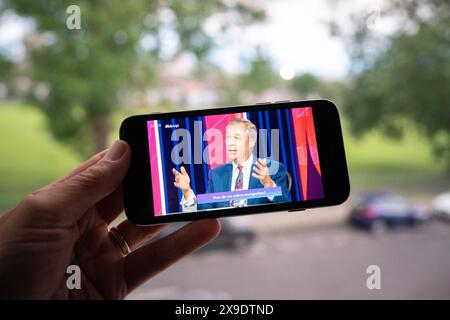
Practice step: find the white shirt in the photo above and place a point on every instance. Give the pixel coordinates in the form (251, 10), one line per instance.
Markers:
(246, 170)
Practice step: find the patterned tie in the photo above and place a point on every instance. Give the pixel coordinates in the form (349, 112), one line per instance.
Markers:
(238, 186)
(239, 179)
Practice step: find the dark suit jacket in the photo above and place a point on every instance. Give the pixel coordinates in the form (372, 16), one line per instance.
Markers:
(220, 181)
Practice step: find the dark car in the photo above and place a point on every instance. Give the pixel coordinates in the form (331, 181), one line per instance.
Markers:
(235, 232)
(377, 211)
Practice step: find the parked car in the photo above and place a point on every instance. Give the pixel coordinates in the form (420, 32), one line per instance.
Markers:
(441, 206)
(377, 211)
(235, 233)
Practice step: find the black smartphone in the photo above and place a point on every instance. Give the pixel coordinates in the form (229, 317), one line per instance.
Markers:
(280, 156)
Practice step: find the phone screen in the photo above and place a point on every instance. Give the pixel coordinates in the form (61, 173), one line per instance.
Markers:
(233, 160)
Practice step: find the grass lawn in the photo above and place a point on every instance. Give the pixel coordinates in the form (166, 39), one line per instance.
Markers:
(31, 158)
(406, 166)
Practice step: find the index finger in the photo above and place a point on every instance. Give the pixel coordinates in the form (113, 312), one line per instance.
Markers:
(183, 171)
(262, 162)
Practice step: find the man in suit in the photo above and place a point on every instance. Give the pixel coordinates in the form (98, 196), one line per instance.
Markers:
(242, 173)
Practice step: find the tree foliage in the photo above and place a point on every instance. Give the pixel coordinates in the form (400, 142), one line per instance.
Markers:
(407, 80)
(308, 86)
(260, 75)
(86, 72)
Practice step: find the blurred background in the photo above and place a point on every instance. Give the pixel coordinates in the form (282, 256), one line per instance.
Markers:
(386, 64)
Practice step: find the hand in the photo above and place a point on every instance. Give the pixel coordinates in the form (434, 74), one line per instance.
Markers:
(262, 173)
(182, 181)
(67, 223)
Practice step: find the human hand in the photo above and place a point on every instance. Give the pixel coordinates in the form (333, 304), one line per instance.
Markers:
(67, 222)
(182, 181)
(262, 173)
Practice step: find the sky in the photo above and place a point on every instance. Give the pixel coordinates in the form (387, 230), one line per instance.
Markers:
(297, 38)
(295, 35)
(12, 31)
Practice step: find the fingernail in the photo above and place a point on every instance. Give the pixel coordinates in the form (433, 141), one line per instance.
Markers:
(116, 151)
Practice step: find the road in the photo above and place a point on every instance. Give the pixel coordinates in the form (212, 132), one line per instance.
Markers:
(319, 263)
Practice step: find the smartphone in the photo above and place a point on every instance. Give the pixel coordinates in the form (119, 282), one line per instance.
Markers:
(275, 156)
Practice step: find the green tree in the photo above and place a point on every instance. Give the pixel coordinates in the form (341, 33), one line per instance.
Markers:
(406, 80)
(116, 51)
(6, 68)
(260, 75)
(308, 86)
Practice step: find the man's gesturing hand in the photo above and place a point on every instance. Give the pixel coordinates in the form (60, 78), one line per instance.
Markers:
(182, 181)
(262, 173)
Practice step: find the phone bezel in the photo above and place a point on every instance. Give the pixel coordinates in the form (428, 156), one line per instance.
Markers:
(137, 189)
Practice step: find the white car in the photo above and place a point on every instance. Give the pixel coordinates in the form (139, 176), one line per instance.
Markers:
(441, 205)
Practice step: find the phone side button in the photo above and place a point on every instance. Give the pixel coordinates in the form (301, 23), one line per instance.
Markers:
(268, 102)
(296, 210)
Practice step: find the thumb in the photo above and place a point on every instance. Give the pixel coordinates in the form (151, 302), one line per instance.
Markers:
(75, 195)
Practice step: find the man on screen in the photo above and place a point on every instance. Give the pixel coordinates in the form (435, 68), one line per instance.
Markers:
(243, 172)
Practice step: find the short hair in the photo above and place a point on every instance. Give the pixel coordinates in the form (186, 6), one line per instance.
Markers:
(252, 132)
